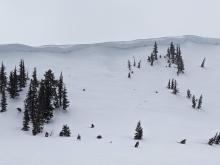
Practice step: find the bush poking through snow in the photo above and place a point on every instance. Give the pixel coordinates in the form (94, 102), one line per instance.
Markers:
(65, 131)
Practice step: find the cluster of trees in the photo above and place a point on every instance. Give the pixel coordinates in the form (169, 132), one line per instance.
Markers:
(173, 86)
(175, 57)
(195, 102)
(13, 84)
(154, 55)
(42, 98)
(130, 71)
(215, 139)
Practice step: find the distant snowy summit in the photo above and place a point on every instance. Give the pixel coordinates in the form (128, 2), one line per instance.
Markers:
(117, 44)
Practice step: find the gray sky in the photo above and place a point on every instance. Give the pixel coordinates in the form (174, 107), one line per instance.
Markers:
(38, 22)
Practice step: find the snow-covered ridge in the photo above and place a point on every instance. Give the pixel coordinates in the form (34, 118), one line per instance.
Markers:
(116, 44)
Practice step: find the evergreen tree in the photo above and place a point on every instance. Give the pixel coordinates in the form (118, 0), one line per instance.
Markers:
(13, 84)
(172, 52)
(129, 65)
(203, 63)
(34, 78)
(194, 102)
(129, 75)
(3, 102)
(139, 132)
(152, 59)
(50, 95)
(175, 89)
(3, 78)
(188, 94)
(65, 131)
(169, 85)
(26, 119)
(200, 103)
(60, 90)
(172, 84)
(134, 64)
(139, 64)
(179, 62)
(155, 51)
(65, 100)
(22, 75)
(168, 53)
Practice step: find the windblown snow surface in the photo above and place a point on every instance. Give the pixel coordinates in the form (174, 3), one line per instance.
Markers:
(115, 104)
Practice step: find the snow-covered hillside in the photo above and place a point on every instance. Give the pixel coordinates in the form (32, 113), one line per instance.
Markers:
(115, 104)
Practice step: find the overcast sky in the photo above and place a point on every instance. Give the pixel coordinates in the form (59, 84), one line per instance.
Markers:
(39, 22)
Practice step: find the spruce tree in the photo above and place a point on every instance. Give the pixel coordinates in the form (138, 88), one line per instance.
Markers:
(188, 95)
(60, 90)
(169, 85)
(3, 78)
(34, 78)
(65, 100)
(152, 59)
(129, 75)
(194, 102)
(22, 75)
(200, 102)
(139, 132)
(179, 62)
(134, 64)
(3, 102)
(175, 89)
(139, 64)
(172, 84)
(203, 63)
(129, 65)
(172, 52)
(26, 119)
(155, 51)
(65, 131)
(13, 84)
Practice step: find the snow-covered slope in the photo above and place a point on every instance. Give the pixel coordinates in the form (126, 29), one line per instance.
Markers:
(115, 104)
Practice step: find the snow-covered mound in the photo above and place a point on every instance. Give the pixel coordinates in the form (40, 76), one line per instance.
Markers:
(118, 44)
(115, 104)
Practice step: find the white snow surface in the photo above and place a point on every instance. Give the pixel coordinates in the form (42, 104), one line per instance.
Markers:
(115, 104)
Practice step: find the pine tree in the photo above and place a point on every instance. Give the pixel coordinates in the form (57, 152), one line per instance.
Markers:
(152, 59)
(155, 51)
(188, 95)
(26, 119)
(194, 102)
(129, 75)
(31, 101)
(65, 131)
(3, 102)
(49, 85)
(169, 85)
(13, 84)
(172, 52)
(172, 84)
(34, 78)
(200, 103)
(3, 78)
(134, 64)
(65, 100)
(203, 63)
(175, 89)
(139, 64)
(22, 75)
(139, 132)
(129, 65)
(179, 61)
(60, 90)
(168, 53)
